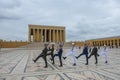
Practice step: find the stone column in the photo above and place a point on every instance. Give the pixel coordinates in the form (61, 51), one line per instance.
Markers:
(37, 35)
(107, 42)
(114, 42)
(34, 35)
(57, 35)
(45, 35)
(29, 35)
(102, 43)
(41, 35)
(50, 35)
(117, 42)
(60, 35)
(53, 35)
(96, 42)
(99, 43)
(110, 42)
(63, 35)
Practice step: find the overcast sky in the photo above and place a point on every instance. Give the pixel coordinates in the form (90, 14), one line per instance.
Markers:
(84, 19)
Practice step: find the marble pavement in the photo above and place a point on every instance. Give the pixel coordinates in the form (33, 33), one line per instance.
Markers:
(17, 64)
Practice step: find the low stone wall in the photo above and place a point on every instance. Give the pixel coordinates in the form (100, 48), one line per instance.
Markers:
(12, 44)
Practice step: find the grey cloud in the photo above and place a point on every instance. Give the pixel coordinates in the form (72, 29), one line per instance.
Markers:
(9, 18)
(9, 3)
(9, 10)
(84, 19)
(84, 30)
(14, 37)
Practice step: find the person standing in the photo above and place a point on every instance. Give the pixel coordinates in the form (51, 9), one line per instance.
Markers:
(59, 54)
(43, 55)
(95, 53)
(72, 53)
(85, 52)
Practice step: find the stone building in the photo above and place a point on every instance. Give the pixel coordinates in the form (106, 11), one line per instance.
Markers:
(44, 33)
(109, 41)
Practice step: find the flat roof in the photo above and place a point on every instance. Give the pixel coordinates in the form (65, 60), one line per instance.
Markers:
(52, 26)
(105, 38)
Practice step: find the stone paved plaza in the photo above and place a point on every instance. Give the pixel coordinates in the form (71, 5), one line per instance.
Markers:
(17, 64)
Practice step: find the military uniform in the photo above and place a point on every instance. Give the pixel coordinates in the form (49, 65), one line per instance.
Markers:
(94, 52)
(43, 55)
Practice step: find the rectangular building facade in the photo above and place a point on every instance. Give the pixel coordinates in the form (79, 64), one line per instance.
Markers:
(109, 41)
(44, 33)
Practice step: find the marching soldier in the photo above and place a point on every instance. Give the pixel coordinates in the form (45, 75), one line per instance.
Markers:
(43, 55)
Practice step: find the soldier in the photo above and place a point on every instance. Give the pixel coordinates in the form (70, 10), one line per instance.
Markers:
(43, 55)
(104, 53)
(59, 54)
(72, 53)
(94, 52)
(85, 52)
(51, 51)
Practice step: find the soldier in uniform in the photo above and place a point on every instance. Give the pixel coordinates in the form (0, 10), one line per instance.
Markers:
(85, 52)
(51, 51)
(72, 53)
(59, 54)
(104, 53)
(43, 55)
(95, 53)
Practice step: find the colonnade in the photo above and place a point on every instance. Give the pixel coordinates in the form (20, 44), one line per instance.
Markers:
(109, 42)
(38, 33)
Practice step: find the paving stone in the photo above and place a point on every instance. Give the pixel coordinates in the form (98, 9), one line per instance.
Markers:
(17, 64)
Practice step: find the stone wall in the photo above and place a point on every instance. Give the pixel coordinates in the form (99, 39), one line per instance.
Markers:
(12, 44)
